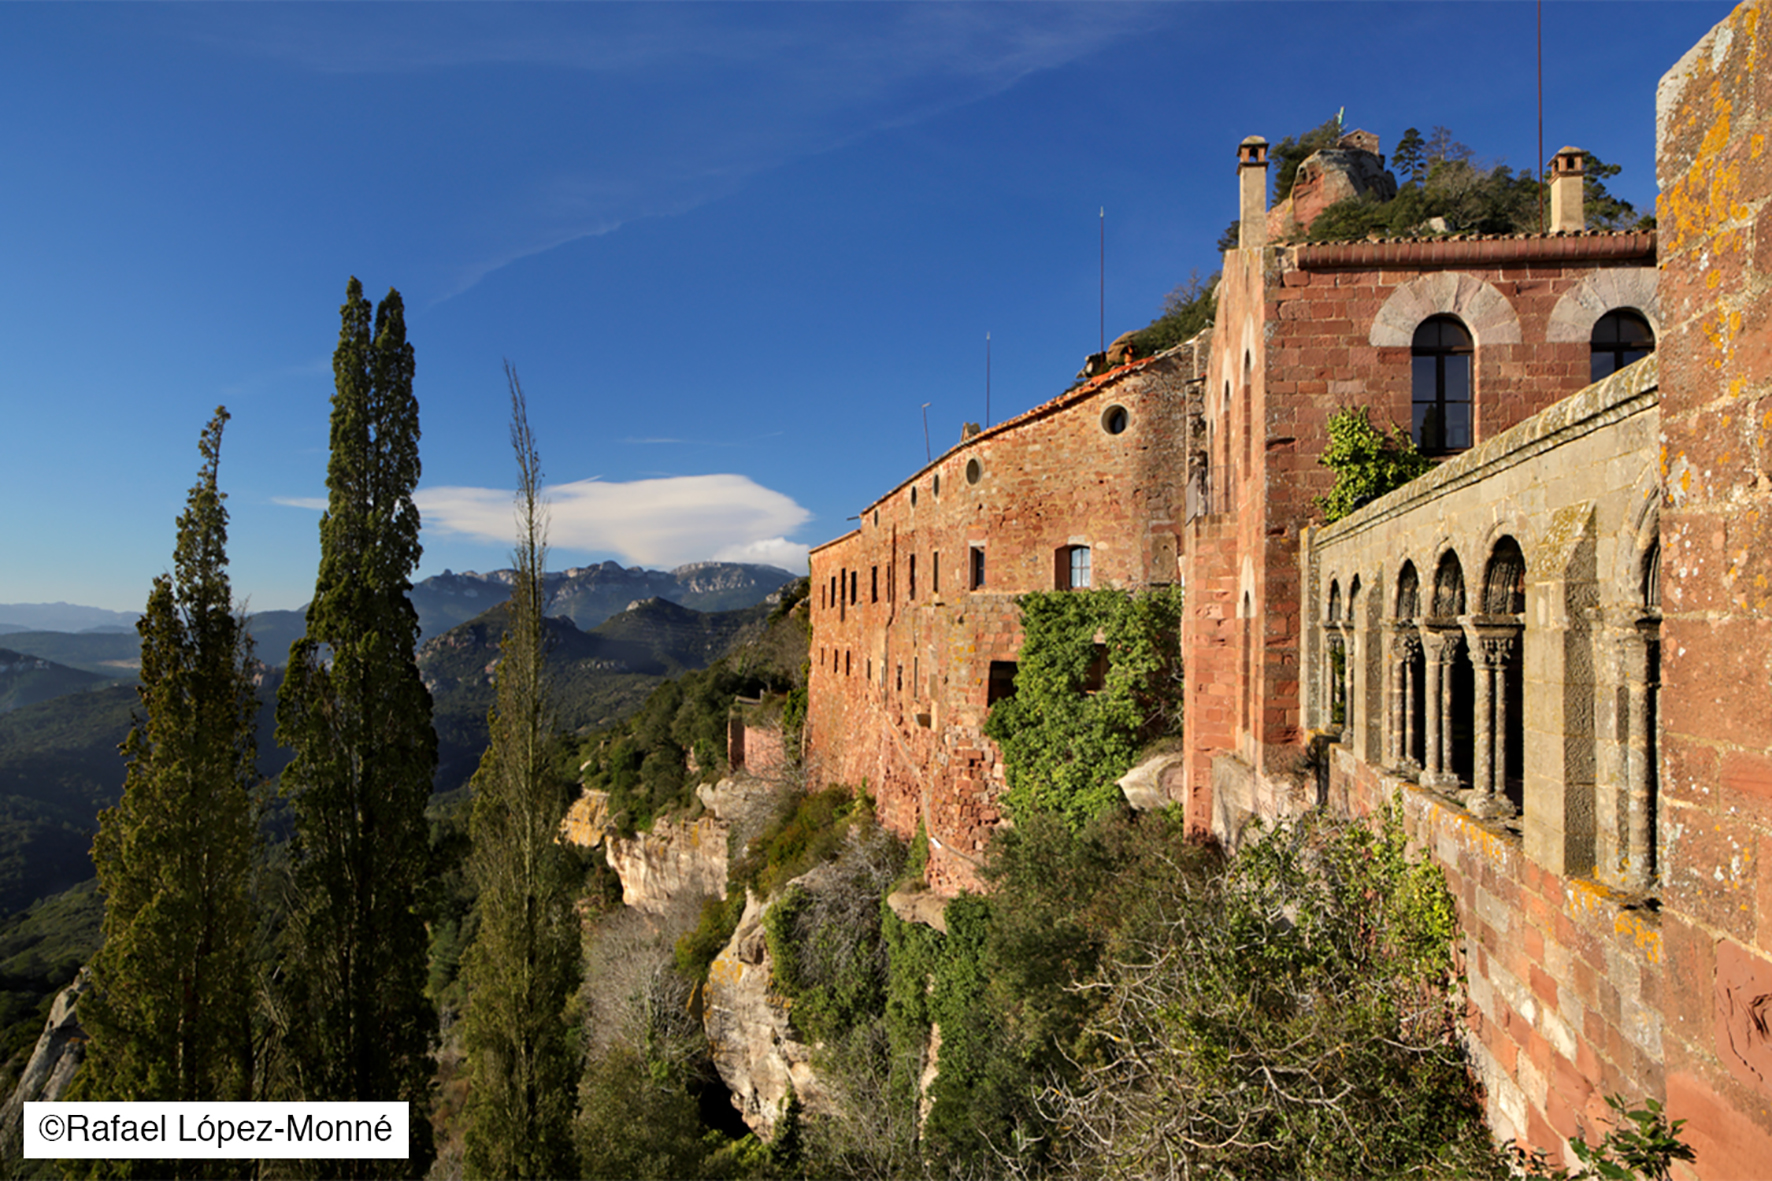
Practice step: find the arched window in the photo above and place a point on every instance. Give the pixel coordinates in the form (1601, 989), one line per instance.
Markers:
(1504, 583)
(1440, 377)
(1620, 337)
(1408, 592)
(1448, 586)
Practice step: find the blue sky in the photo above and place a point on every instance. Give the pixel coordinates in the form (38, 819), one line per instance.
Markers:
(731, 249)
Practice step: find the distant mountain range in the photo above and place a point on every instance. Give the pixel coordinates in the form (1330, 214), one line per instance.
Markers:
(63, 711)
(26, 680)
(63, 617)
(102, 642)
(588, 595)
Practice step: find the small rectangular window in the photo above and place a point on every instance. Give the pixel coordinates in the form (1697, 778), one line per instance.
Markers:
(845, 662)
(1071, 568)
(876, 584)
(913, 576)
(854, 575)
(935, 573)
(1002, 682)
(977, 567)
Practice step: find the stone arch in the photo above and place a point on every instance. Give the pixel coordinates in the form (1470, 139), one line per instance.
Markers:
(1504, 578)
(1408, 602)
(1641, 532)
(1607, 290)
(1334, 600)
(1448, 599)
(1484, 310)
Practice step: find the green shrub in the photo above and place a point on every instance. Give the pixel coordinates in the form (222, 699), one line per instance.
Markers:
(1065, 743)
(1366, 463)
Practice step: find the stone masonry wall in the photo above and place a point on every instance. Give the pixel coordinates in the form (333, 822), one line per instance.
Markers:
(904, 641)
(1303, 332)
(1713, 117)
(1564, 970)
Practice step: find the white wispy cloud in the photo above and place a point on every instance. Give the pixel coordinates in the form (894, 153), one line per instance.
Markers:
(682, 104)
(659, 522)
(316, 503)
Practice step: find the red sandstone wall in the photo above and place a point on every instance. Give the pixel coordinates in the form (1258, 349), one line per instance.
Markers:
(899, 683)
(1715, 116)
(1304, 319)
(1564, 987)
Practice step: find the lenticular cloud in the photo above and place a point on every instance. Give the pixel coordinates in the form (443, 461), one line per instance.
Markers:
(663, 522)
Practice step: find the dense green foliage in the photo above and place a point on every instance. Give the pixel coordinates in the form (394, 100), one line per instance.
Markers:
(1470, 199)
(352, 1013)
(644, 762)
(1287, 1018)
(1065, 739)
(1367, 463)
(41, 950)
(1186, 310)
(170, 1012)
(522, 967)
(58, 770)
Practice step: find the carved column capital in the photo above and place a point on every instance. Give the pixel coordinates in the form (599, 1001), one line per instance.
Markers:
(1442, 644)
(1405, 645)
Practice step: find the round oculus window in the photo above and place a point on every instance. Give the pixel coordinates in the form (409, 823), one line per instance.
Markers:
(974, 471)
(1114, 420)
(913, 496)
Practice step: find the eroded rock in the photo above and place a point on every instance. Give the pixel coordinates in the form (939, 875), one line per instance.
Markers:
(754, 1047)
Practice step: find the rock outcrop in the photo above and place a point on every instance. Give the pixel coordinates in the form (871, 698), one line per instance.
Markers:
(1353, 168)
(1154, 784)
(677, 859)
(760, 1059)
(60, 1049)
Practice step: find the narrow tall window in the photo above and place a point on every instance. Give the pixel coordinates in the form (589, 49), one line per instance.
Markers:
(854, 575)
(1620, 338)
(875, 579)
(977, 568)
(913, 576)
(1080, 573)
(1070, 567)
(1440, 376)
(935, 573)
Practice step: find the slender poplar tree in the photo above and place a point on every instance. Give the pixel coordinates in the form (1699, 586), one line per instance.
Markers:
(352, 1013)
(170, 1010)
(523, 965)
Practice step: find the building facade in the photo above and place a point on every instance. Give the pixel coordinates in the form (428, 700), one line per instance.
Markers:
(1553, 652)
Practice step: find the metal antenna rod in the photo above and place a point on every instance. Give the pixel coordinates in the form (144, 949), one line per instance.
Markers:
(1541, 225)
(1102, 347)
(928, 455)
(987, 380)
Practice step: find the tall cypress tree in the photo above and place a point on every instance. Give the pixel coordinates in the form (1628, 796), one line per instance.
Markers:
(170, 1011)
(523, 965)
(353, 1015)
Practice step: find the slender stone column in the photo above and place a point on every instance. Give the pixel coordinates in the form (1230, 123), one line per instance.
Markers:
(1494, 653)
(1412, 652)
(1442, 645)
(1405, 648)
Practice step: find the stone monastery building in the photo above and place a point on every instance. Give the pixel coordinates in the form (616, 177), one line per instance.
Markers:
(1554, 650)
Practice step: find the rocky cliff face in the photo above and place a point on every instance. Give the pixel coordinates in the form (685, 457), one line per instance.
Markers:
(60, 1050)
(754, 1047)
(1351, 169)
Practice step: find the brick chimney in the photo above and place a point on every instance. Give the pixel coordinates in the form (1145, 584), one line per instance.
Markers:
(1567, 175)
(1252, 179)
